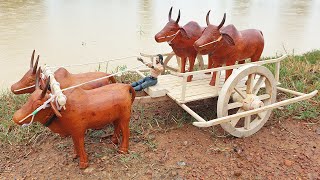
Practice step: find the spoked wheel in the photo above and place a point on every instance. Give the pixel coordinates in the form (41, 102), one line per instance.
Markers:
(249, 88)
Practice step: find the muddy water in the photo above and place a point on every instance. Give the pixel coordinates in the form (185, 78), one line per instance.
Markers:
(71, 32)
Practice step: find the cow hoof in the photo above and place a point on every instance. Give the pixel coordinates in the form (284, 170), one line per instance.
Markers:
(123, 151)
(114, 140)
(212, 83)
(208, 73)
(83, 165)
(75, 156)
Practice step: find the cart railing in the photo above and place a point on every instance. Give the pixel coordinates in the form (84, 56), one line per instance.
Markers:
(219, 69)
(168, 56)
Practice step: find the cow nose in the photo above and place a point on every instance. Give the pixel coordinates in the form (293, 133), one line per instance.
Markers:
(17, 117)
(155, 38)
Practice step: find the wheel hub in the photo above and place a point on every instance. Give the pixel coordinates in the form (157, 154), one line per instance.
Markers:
(252, 102)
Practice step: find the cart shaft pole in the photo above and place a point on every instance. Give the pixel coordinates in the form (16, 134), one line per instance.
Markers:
(255, 111)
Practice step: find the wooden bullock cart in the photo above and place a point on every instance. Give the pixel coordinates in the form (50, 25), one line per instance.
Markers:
(245, 100)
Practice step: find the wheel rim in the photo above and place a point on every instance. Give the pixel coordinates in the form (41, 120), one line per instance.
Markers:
(259, 91)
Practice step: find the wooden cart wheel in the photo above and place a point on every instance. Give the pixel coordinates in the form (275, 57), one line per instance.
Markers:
(250, 87)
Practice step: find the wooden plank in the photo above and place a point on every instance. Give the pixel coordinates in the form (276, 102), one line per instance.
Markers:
(196, 97)
(191, 92)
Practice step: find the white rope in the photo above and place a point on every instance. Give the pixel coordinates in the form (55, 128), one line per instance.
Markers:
(220, 37)
(98, 62)
(57, 103)
(43, 106)
(71, 87)
(21, 89)
(28, 87)
(170, 35)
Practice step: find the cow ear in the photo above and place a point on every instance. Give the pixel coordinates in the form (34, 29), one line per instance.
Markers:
(55, 110)
(230, 34)
(228, 39)
(184, 33)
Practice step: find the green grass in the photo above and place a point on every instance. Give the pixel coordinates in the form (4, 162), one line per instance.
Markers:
(301, 73)
(9, 131)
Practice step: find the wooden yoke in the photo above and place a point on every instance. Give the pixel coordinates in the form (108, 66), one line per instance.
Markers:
(55, 86)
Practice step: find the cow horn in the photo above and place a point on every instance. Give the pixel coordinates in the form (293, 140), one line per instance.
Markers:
(177, 21)
(37, 78)
(207, 18)
(169, 17)
(222, 22)
(32, 57)
(35, 65)
(55, 110)
(44, 91)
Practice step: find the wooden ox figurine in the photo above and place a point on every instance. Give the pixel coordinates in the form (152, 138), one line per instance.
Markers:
(66, 79)
(181, 39)
(226, 45)
(84, 109)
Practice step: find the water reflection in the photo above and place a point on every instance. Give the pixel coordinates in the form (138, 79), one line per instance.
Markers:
(69, 32)
(145, 13)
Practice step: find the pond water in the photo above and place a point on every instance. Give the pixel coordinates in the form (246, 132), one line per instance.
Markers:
(81, 31)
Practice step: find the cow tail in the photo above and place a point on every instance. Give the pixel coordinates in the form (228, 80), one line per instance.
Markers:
(112, 79)
(133, 94)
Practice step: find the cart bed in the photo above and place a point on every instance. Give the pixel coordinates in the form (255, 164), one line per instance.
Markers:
(197, 89)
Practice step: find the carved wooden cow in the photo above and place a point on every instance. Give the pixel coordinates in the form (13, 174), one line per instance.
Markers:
(65, 79)
(84, 109)
(181, 39)
(226, 45)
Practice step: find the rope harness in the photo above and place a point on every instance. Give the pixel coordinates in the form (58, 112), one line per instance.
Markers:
(172, 35)
(71, 65)
(43, 106)
(217, 40)
(83, 64)
(21, 89)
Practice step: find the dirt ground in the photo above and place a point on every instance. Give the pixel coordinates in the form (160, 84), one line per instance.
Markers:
(165, 145)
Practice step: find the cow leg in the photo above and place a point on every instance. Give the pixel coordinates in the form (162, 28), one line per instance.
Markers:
(229, 72)
(75, 150)
(78, 141)
(213, 79)
(210, 63)
(255, 58)
(116, 134)
(124, 126)
(183, 64)
(191, 65)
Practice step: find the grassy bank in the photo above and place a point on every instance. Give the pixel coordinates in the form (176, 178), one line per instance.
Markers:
(300, 73)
